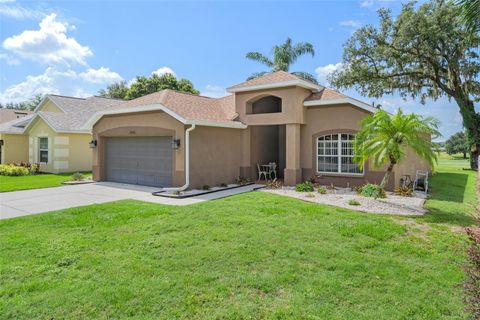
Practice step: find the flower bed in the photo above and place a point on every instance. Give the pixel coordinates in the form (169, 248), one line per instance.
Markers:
(341, 197)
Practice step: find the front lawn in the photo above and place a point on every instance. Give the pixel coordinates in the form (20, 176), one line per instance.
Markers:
(250, 256)
(453, 192)
(43, 180)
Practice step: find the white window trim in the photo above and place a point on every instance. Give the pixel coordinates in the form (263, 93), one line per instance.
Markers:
(339, 156)
(40, 149)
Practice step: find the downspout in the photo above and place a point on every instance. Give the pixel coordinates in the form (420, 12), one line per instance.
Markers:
(187, 163)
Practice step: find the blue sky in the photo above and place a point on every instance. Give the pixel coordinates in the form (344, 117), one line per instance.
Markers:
(79, 47)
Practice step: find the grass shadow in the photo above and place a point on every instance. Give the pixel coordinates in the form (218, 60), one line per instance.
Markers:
(452, 198)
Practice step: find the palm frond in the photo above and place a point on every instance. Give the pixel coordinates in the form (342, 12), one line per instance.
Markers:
(470, 10)
(385, 138)
(257, 75)
(302, 48)
(257, 56)
(306, 76)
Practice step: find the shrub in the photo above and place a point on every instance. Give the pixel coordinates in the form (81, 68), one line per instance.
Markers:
(34, 168)
(310, 195)
(403, 191)
(353, 202)
(306, 186)
(206, 187)
(242, 180)
(322, 190)
(77, 176)
(313, 179)
(13, 170)
(274, 184)
(471, 284)
(372, 190)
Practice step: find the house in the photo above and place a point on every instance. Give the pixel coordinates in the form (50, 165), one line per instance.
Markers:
(172, 139)
(52, 135)
(12, 114)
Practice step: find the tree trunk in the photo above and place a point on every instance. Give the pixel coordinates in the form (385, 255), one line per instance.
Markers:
(474, 158)
(387, 175)
(471, 122)
(464, 155)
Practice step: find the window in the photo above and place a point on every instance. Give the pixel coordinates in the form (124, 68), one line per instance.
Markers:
(43, 149)
(269, 104)
(335, 154)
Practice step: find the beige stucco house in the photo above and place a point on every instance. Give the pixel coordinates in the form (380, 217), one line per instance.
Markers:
(172, 139)
(53, 134)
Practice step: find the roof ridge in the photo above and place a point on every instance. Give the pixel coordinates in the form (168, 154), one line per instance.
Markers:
(187, 93)
(62, 96)
(94, 96)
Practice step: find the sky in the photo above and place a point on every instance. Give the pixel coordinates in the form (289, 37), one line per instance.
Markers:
(79, 47)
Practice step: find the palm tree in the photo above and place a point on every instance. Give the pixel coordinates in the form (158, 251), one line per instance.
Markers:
(470, 11)
(284, 56)
(385, 138)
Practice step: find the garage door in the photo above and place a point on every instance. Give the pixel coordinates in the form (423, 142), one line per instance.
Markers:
(140, 160)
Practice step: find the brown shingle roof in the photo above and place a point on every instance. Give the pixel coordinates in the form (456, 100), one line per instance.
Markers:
(274, 77)
(188, 106)
(326, 94)
(12, 114)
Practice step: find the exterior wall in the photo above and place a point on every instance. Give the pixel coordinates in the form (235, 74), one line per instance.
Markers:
(328, 120)
(215, 156)
(410, 165)
(292, 106)
(66, 152)
(15, 148)
(140, 124)
(49, 106)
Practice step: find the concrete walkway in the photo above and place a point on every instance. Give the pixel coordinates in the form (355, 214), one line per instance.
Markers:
(27, 202)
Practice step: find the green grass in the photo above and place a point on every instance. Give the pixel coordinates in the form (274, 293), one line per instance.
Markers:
(453, 192)
(44, 180)
(251, 256)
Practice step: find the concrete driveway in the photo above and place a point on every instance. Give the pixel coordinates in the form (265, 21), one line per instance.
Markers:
(27, 202)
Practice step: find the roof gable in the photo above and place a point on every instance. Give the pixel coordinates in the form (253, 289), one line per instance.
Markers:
(272, 80)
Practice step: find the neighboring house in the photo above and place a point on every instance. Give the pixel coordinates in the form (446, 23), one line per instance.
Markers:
(52, 135)
(12, 114)
(170, 139)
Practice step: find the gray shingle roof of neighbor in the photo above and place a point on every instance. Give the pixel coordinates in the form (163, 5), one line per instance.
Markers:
(16, 125)
(76, 111)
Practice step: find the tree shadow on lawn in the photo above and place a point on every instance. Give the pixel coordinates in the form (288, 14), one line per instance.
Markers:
(452, 199)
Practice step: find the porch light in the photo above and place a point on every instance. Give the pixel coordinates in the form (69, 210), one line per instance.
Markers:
(93, 143)
(175, 144)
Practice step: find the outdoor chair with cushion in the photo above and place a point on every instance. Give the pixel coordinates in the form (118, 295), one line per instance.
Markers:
(421, 181)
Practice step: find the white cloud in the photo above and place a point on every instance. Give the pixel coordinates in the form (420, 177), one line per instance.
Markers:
(374, 4)
(9, 8)
(163, 70)
(9, 59)
(59, 81)
(353, 24)
(100, 76)
(214, 91)
(323, 71)
(50, 44)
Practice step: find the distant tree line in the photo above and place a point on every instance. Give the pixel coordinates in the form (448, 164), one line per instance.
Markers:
(29, 104)
(146, 85)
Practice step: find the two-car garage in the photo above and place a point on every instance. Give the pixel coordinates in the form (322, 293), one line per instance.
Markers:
(139, 160)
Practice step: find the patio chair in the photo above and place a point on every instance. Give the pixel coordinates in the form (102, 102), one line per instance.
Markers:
(261, 172)
(272, 170)
(421, 181)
